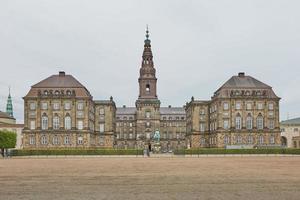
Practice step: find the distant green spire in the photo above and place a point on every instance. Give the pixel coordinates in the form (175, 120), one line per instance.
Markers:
(9, 106)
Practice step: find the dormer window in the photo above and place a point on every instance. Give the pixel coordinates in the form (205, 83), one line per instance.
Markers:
(147, 88)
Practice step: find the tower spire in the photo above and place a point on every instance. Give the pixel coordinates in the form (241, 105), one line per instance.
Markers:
(147, 40)
(9, 106)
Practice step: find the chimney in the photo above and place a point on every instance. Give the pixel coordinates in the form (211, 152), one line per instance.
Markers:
(169, 106)
(241, 74)
(62, 73)
(124, 106)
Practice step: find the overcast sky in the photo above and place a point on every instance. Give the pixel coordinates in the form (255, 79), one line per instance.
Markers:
(197, 46)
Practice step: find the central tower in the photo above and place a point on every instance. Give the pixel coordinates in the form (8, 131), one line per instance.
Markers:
(147, 104)
(147, 79)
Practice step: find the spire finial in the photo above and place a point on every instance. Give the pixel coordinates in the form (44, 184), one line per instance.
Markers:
(9, 106)
(147, 32)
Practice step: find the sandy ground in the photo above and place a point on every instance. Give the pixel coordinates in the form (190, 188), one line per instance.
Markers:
(151, 178)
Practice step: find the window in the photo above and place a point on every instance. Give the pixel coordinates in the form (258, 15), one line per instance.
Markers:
(32, 106)
(226, 140)
(68, 122)
(271, 106)
(202, 127)
(32, 125)
(147, 124)
(261, 139)
(56, 106)
(101, 128)
(31, 139)
(147, 88)
(80, 140)
(260, 106)
(260, 122)
(148, 135)
(80, 124)
(43, 139)
(80, 106)
(202, 141)
(67, 139)
(271, 124)
(44, 106)
(202, 112)
(44, 122)
(238, 122)
(250, 139)
(147, 114)
(249, 122)
(225, 106)
(67, 105)
(80, 114)
(56, 122)
(101, 140)
(226, 124)
(271, 114)
(130, 136)
(248, 106)
(101, 111)
(272, 139)
(237, 105)
(239, 139)
(295, 129)
(55, 140)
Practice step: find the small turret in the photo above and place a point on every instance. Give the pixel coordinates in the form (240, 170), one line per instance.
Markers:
(9, 106)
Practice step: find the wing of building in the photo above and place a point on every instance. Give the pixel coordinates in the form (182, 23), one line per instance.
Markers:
(61, 112)
(290, 132)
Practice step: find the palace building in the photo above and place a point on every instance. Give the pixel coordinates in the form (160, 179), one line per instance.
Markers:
(61, 112)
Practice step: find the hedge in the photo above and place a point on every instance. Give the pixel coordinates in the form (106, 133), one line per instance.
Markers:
(35, 152)
(236, 151)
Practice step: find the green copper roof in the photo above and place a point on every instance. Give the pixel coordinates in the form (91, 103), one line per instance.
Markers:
(9, 106)
(295, 121)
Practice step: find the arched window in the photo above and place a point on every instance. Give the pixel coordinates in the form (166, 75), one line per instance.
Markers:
(272, 139)
(67, 139)
(55, 140)
(147, 88)
(261, 139)
(44, 122)
(226, 140)
(260, 122)
(43, 139)
(56, 122)
(238, 122)
(68, 122)
(249, 122)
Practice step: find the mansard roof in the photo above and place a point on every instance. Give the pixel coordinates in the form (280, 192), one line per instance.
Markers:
(172, 111)
(61, 83)
(126, 111)
(295, 121)
(245, 86)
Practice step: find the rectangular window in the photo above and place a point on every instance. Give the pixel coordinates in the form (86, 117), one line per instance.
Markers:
(101, 111)
(56, 106)
(67, 105)
(226, 124)
(237, 105)
(147, 114)
(248, 106)
(80, 106)
(80, 124)
(101, 128)
(32, 125)
(32, 140)
(260, 106)
(80, 114)
(44, 106)
(271, 106)
(202, 127)
(271, 124)
(67, 139)
(225, 106)
(32, 106)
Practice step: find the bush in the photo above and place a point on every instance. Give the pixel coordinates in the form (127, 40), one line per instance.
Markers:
(236, 151)
(35, 152)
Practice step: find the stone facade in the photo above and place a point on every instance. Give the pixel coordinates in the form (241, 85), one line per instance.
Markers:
(290, 133)
(244, 111)
(60, 112)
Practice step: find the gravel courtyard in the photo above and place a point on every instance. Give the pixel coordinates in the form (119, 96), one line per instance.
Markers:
(150, 178)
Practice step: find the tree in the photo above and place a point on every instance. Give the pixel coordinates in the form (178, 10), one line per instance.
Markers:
(8, 139)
